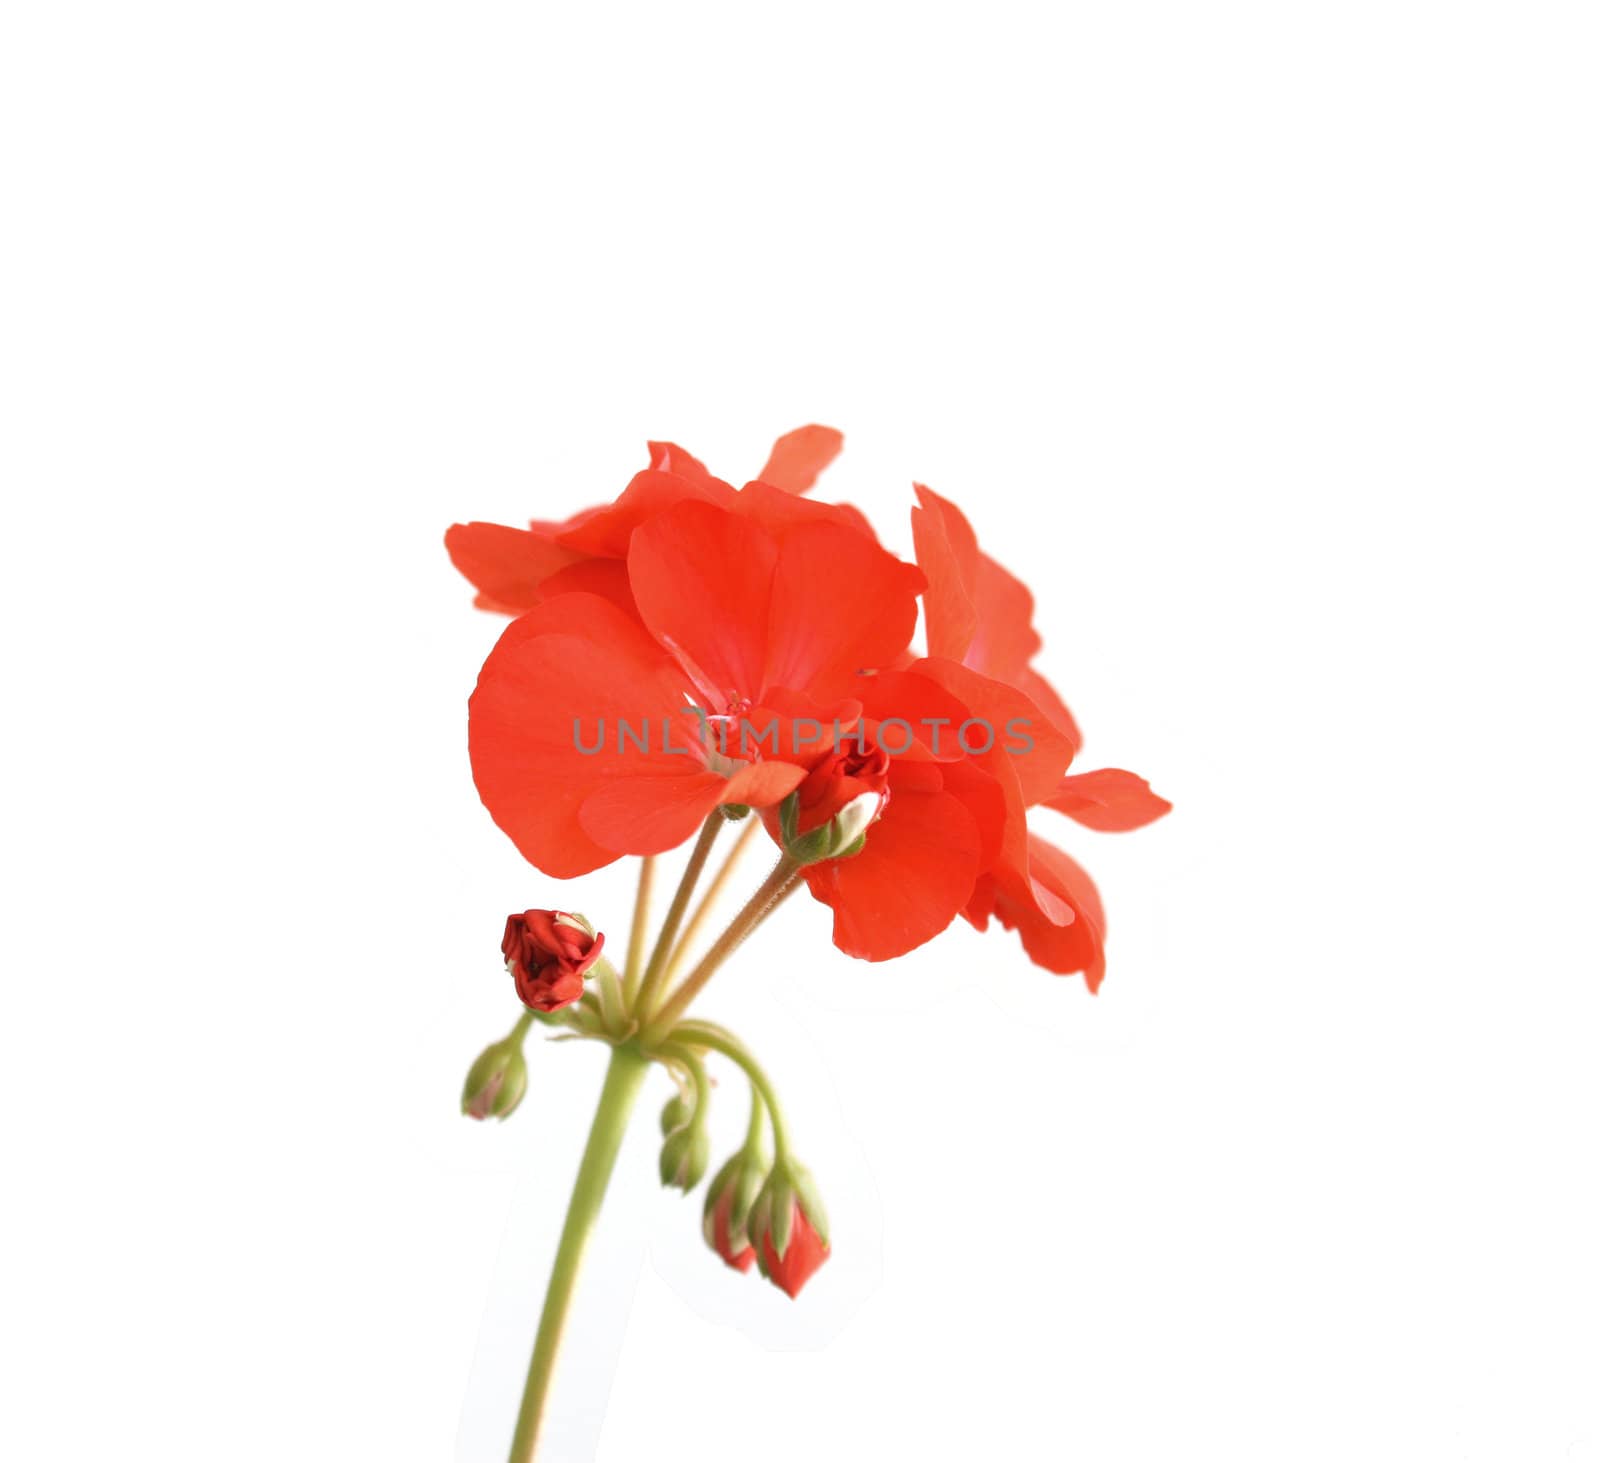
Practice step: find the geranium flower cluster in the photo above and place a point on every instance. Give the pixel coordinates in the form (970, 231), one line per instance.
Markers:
(647, 627)
(693, 655)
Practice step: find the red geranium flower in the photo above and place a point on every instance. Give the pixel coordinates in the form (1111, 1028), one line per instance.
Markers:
(980, 627)
(589, 728)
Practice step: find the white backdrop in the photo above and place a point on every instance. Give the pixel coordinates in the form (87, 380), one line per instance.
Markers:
(1260, 339)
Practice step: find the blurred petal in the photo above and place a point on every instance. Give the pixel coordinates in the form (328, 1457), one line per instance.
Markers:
(777, 511)
(947, 552)
(607, 533)
(1056, 881)
(1109, 800)
(607, 578)
(669, 457)
(799, 456)
(506, 565)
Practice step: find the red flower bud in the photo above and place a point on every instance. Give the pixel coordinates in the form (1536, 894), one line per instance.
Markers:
(789, 1229)
(547, 954)
(728, 1201)
(720, 1230)
(797, 1264)
(857, 765)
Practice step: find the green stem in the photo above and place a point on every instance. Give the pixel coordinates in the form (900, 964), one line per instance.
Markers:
(624, 1077)
(780, 883)
(641, 920)
(717, 1039)
(646, 995)
(754, 1133)
(752, 825)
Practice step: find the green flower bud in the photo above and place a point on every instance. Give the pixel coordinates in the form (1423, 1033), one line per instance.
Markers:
(677, 1113)
(843, 836)
(685, 1156)
(495, 1082)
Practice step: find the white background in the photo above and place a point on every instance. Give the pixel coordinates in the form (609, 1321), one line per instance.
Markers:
(1261, 339)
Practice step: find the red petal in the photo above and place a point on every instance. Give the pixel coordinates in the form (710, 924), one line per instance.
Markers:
(1109, 800)
(993, 813)
(651, 814)
(919, 701)
(908, 883)
(702, 578)
(669, 457)
(1043, 695)
(506, 565)
(1064, 949)
(575, 658)
(778, 511)
(947, 552)
(607, 578)
(608, 532)
(799, 456)
(762, 784)
(800, 1261)
(840, 606)
(978, 612)
(1015, 723)
(1005, 640)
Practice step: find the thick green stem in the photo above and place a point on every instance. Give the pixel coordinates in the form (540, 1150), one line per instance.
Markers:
(624, 1077)
(646, 995)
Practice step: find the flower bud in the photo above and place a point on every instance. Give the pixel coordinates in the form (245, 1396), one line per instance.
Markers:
(685, 1156)
(677, 1113)
(495, 1082)
(728, 1200)
(548, 953)
(843, 836)
(789, 1228)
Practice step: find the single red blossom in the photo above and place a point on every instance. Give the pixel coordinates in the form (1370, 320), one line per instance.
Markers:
(982, 641)
(804, 1256)
(730, 617)
(548, 954)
